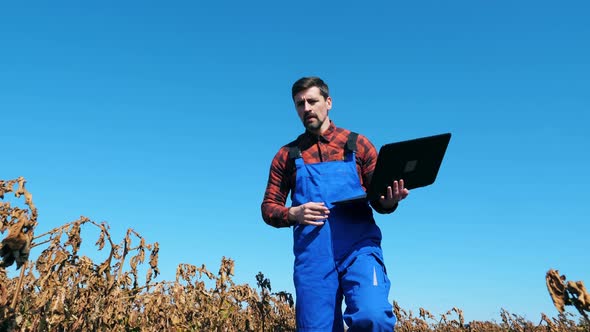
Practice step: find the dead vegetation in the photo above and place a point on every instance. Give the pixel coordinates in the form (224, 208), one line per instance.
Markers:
(564, 293)
(63, 290)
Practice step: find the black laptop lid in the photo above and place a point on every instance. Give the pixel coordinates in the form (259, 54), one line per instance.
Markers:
(415, 161)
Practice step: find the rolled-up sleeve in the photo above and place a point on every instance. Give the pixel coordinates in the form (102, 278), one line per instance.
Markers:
(274, 211)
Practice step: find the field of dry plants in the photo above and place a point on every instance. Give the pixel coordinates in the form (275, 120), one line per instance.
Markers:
(63, 290)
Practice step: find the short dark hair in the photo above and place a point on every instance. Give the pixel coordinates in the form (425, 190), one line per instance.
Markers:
(305, 83)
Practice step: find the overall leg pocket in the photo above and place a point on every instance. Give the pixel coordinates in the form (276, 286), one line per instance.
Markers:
(366, 289)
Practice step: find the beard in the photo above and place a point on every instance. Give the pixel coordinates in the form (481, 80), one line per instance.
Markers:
(313, 125)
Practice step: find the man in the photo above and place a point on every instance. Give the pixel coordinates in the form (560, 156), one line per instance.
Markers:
(336, 246)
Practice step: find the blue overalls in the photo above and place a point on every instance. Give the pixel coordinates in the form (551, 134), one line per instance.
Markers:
(342, 258)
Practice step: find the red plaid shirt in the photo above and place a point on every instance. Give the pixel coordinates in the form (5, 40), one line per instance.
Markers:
(329, 146)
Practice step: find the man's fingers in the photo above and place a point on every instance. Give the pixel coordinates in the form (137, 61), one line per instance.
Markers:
(314, 220)
(394, 193)
(318, 206)
(320, 210)
(398, 186)
(314, 223)
(403, 190)
(315, 216)
(315, 212)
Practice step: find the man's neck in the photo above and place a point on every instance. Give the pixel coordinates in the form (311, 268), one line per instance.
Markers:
(318, 132)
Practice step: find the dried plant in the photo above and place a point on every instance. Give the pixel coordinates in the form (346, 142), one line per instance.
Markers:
(20, 224)
(568, 293)
(64, 290)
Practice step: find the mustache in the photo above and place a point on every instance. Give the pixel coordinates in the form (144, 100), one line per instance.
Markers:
(309, 116)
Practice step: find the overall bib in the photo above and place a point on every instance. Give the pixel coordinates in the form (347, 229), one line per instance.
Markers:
(342, 258)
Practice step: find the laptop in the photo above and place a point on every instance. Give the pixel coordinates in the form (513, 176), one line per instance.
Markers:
(416, 161)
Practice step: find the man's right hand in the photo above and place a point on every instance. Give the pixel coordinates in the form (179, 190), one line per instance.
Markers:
(311, 213)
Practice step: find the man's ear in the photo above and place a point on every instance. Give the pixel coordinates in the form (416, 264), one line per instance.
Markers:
(329, 102)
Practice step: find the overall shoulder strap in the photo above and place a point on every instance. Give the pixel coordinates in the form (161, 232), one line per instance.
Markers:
(351, 143)
(295, 156)
(294, 152)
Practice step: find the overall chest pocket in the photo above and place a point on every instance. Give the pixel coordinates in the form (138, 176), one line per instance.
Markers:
(312, 240)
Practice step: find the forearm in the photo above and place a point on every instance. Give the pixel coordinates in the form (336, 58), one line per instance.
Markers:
(276, 215)
(274, 211)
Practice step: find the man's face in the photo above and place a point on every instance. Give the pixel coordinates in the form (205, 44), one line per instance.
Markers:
(312, 109)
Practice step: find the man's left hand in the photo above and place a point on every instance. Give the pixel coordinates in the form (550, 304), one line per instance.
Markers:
(395, 193)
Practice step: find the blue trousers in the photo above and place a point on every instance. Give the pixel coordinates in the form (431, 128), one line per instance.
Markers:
(364, 286)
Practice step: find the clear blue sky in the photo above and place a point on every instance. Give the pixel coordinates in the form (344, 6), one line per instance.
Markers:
(164, 118)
